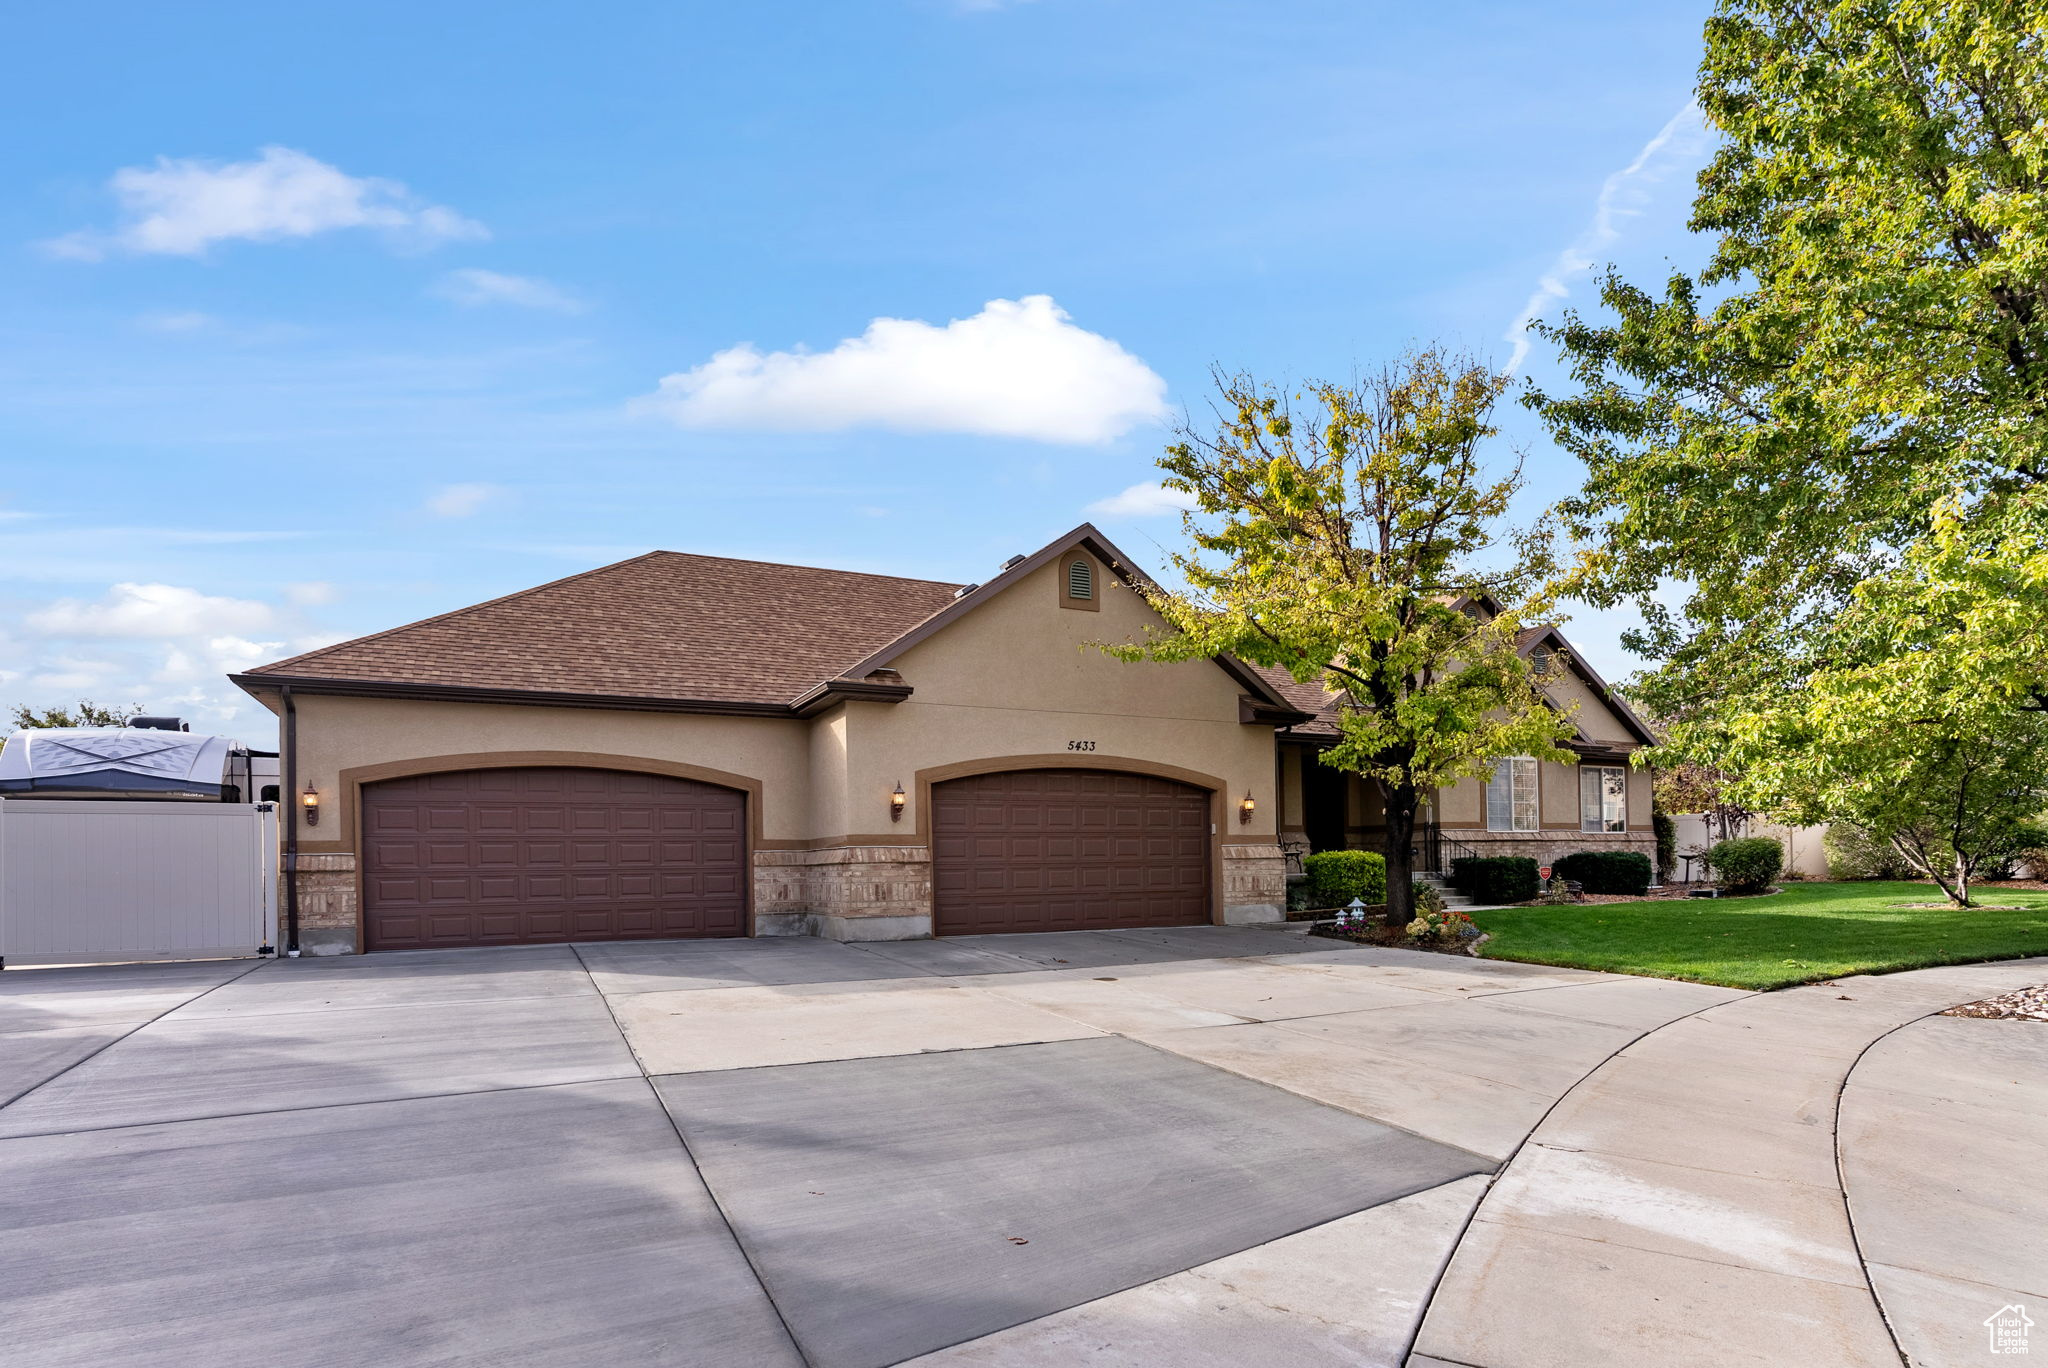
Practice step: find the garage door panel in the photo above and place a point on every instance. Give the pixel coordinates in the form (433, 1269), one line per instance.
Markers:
(1057, 850)
(511, 856)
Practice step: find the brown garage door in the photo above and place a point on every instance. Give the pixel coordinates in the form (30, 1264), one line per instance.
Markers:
(514, 856)
(1068, 850)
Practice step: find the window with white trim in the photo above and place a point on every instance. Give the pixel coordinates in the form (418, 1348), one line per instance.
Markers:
(1603, 798)
(1511, 795)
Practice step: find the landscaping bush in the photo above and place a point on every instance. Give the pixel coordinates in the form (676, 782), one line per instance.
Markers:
(1428, 898)
(1335, 877)
(1606, 871)
(2022, 853)
(1854, 853)
(1748, 863)
(1495, 878)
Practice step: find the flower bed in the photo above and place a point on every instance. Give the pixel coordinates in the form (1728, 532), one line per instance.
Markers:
(1441, 932)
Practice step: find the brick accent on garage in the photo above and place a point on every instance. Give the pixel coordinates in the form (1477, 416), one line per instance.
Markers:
(328, 911)
(1254, 883)
(869, 892)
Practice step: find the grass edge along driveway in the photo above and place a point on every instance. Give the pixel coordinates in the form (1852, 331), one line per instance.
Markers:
(1804, 934)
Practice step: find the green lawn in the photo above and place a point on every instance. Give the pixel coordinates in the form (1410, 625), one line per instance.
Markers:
(1810, 931)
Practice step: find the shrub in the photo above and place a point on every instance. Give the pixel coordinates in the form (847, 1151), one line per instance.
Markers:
(1495, 878)
(1335, 877)
(1854, 853)
(1428, 899)
(2022, 852)
(1606, 871)
(1748, 863)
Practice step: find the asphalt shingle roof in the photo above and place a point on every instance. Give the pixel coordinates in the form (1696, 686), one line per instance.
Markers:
(664, 625)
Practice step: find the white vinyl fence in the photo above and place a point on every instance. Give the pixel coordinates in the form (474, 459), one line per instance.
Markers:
(1805, 851)
(96, 882)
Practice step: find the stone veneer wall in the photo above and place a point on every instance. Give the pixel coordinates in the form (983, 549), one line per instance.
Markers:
(844, 892)
(327, 904)
(1548, 847)
(1254, 884)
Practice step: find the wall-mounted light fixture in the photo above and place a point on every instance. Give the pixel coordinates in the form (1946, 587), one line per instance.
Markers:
(1246, 808)
(896, 802)
(309, 802)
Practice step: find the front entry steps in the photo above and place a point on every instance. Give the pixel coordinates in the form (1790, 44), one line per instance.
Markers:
(1453, 900)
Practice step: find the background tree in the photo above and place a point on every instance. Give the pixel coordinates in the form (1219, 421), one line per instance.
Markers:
(1347, 546)
(1872, 371)
(1835, 438)
(1951, 800)
(86, 714)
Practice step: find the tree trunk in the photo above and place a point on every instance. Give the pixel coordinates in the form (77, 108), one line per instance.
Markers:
(1401, 805)
(1921, 860)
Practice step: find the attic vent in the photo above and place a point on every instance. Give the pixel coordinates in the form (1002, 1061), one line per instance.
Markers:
(964, 590)
(1081, 580)
(1014, 560)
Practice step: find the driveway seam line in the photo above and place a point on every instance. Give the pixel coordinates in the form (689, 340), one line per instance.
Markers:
(1494, 1165)
(1607, 1153)
(1958, 1278)
(377, 1006)
(36, 1087)
(315, 1106)
(690, 1158)
(1673, 1254)
(1458, 1241)
(1841, 1179)
(1191, 1268)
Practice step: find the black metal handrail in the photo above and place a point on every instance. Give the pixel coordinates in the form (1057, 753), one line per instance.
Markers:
(1434, 852)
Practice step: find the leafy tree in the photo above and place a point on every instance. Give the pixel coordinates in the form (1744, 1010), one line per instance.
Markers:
(1952, 799)
(1835, 438)
(86, 714)
(1359, 545)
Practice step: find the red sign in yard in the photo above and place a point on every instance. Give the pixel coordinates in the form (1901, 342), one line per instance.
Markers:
(1544, 872)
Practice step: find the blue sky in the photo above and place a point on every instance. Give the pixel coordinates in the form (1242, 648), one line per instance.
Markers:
(322, 319)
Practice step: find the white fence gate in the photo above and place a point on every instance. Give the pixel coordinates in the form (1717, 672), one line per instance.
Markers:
(96, 882)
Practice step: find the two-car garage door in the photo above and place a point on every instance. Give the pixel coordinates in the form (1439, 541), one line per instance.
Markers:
(1068, 850)
(516, 856)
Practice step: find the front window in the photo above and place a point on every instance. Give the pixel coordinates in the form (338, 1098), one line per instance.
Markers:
(1511, 795)
(1603, 798)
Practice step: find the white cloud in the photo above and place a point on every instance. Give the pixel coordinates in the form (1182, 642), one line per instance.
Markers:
(310, 593)
(1147, 500)
(460, 500)
(473, 287)
(1680, 142)
(1019, 368)
(216, 657)
(69, 674)
(150, 610)
(181, 207)
(113, 656)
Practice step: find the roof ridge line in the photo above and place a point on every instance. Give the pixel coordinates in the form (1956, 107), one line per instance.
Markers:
(788, 565)
(451, 613)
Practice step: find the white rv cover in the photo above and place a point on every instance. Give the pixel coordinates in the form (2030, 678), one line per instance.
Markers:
(106, 762)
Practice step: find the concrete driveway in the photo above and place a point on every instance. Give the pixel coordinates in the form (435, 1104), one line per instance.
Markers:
(1201, 1146)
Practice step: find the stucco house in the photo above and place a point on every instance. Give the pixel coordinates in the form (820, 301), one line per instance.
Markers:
(1537, 808)
(683, 745)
